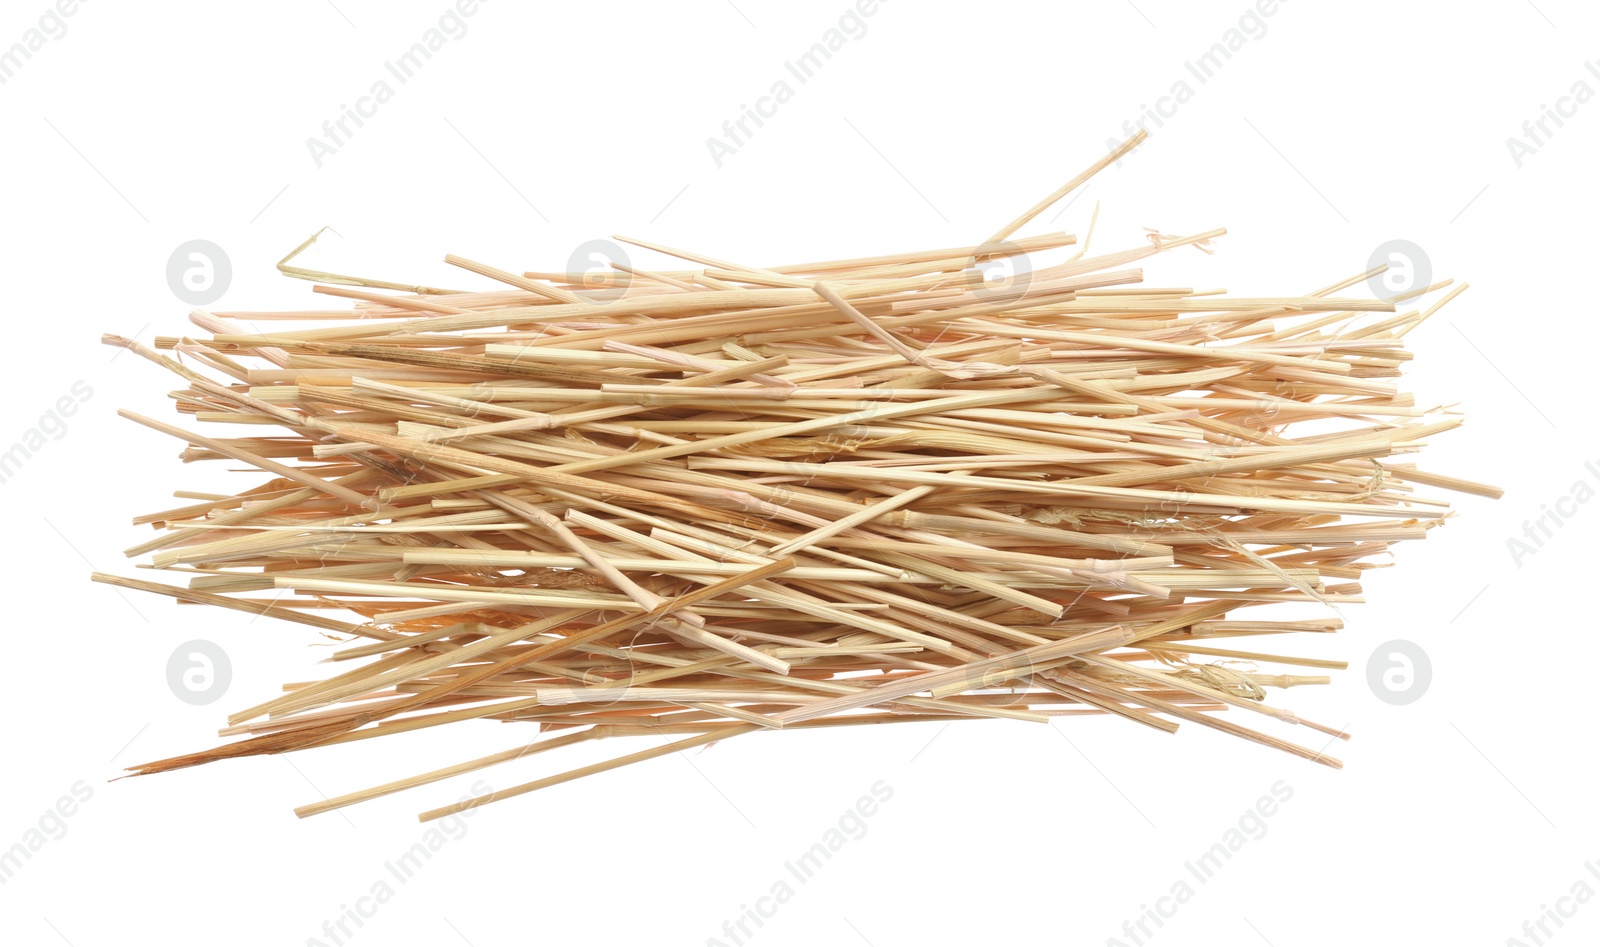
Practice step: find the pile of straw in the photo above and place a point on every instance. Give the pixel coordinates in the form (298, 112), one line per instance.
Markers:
(698, 503)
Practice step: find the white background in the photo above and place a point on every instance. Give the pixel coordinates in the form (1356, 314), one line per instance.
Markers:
(1457, 817)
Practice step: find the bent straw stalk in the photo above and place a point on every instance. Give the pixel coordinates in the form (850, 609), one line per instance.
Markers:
(701, 503)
